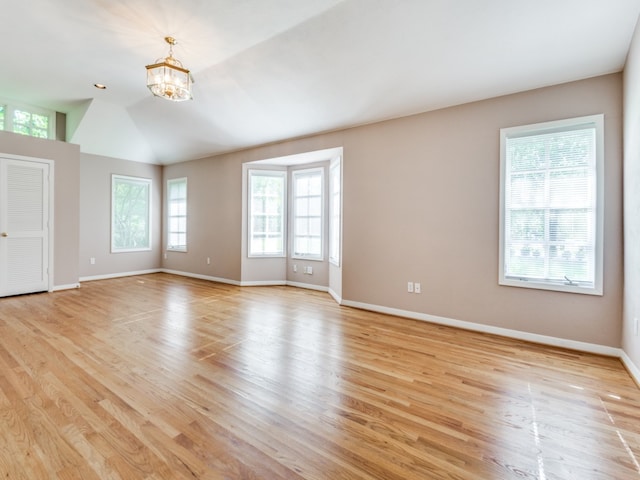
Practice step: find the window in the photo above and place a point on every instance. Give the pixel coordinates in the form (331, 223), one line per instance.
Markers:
(267, 194)
(177, 214)
(307, 213)
(335, 210)
(551, 205)
(32, 121)
(28, 123)
(130, 213)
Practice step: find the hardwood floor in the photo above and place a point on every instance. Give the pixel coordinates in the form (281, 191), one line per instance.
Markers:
(164, 377)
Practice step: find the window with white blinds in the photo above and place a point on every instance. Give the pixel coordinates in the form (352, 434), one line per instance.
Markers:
(551, 205)
(177, 214)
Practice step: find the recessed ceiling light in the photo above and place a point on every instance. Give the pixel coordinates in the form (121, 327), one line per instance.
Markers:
(100, 86)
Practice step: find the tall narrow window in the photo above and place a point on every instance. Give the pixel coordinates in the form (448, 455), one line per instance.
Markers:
(177, 214)
(335, 210)
(267, 198)
(551, 205)
(130, 213)
(307, 213)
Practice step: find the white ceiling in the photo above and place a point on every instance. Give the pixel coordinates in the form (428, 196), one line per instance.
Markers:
(268, 70)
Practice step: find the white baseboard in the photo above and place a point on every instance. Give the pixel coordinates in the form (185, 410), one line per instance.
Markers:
(201, 277)
(504, 332)
(335, 296)
(251, 283)
(71, 286)
(117, 275)
(631, 367)
(308, 286)
(263, 283)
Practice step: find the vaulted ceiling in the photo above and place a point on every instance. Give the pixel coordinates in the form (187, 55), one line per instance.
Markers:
(269, 70)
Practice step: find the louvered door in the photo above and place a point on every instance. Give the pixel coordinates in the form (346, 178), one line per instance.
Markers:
(24, 226)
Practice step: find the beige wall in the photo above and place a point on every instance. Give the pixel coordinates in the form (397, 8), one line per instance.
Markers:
(421, 204)
(95, 217)
(214, 196)
(630, 340)
(66, 158)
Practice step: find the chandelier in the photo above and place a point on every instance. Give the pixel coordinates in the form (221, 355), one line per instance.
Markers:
(167, 78)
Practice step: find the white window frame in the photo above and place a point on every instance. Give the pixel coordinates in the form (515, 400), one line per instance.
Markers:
(170, 199)
(294, 216)
(283, 220)
(592, 121)
(335, 210)
(115, 178)
(11, 107)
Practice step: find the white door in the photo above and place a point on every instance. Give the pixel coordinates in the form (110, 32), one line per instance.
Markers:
(24, 226)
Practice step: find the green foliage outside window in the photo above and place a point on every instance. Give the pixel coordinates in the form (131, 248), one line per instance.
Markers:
(130, 214)
(33, 124)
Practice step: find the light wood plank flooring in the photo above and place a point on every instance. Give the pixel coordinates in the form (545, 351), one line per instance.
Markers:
(162, 377)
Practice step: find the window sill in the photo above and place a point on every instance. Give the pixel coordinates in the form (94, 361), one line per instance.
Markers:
(556, 287)
(310, 259)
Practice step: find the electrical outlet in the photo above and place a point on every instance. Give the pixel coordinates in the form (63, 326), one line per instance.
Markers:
(295, 268)
(208, 261)
(410, 287)
(635, 326)
(165, 256)
(92, 260)
(417, 288)
(308, 270)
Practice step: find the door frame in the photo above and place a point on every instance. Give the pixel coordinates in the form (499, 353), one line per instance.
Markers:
(51, 223)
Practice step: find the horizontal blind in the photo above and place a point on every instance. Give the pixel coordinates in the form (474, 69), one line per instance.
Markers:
(550, 206)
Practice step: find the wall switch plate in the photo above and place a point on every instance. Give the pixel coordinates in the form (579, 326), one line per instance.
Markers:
(165, 256)
(417, 288)
(295, 268)
(92, 260)
(208, 260)
(410, 287)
